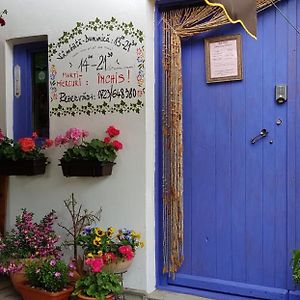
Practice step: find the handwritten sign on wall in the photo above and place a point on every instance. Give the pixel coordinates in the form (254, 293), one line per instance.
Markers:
(223, 58)
(97, 68)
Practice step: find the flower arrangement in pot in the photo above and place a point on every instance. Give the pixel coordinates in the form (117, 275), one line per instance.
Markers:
(46, 279)
(29, 240)
(88, 158)
(23, 157)
(98, 284)
(116, 249)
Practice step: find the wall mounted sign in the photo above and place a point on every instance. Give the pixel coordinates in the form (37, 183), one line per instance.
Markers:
(98, 67)
(223, 57)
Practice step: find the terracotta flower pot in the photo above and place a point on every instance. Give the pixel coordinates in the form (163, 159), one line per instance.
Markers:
(108, 297)
(119, 266)
(17, 278)
(30, 293)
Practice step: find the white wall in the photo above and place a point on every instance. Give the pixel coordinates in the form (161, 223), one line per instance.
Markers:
(126, 197)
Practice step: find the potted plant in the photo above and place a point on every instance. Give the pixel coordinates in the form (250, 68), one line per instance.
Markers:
(98, 284)
(46, 279)
(23, 157)
(296, 265)
(94, 158)
(116, 249)
(80, 218)
(29, 240)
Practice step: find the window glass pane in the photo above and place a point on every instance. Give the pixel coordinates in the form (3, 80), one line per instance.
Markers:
(40, 102)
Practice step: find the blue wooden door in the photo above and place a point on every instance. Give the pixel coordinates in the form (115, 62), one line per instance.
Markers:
(235, 192)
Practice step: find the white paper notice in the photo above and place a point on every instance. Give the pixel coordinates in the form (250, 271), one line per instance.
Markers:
(223, 59)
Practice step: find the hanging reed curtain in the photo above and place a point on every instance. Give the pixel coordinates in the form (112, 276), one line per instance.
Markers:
(180, 23)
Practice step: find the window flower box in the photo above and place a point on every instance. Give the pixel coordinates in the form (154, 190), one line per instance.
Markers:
(93, 168)
(27, 167)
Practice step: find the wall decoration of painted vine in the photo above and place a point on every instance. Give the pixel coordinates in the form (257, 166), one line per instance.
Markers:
(97, 68)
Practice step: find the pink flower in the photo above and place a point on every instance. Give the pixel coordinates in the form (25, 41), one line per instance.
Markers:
(117, 145)
(112, 131)
(95, 263)
(57, 274)
(34, 135)
(60, 140)
(85, 133)
(74, 134)
(2, 136)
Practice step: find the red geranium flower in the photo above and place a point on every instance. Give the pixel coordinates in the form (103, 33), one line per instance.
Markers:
(27, 144)
(117, 145)
(107, 140)
(34, 135)
(112, 131)
(2, 22)
(48, 143)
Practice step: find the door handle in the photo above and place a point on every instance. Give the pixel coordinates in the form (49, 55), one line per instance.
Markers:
(263, 133)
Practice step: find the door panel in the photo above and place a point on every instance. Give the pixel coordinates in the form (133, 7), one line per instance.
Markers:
(235, 193)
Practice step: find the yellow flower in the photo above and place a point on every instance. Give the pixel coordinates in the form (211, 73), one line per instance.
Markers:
(141, 244)
(90, 255)
(100, 253)
(97, 241)
(99, 231)
(108, 242)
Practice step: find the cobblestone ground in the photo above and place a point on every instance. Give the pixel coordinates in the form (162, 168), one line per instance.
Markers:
(6, 290)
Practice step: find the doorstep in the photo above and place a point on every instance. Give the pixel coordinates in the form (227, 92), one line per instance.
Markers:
(158, 295)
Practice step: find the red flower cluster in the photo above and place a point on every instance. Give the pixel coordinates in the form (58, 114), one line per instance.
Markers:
(127, 252)
(113, 132)
(96, 264)
(27, 144)
(2, 22)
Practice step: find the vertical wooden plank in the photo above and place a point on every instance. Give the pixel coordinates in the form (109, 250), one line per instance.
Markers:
(281, 154)
(291, 137)
(267, 41)
(238, 159)
(203, 167)
(223, 180)
(254, 167)
(3, 202)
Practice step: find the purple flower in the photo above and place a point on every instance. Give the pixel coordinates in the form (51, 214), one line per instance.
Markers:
(52, 262)
(57, 274)
(87, 229)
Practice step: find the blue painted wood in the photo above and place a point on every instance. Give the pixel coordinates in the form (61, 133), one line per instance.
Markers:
(23, 105)
(241, 199)
(234, 288)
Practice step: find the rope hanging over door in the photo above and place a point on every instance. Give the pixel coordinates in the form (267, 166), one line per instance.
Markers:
(180, 23)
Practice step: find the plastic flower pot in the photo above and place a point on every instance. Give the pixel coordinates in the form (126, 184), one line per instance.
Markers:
(92, 168)
(30, 293)
(28, 167)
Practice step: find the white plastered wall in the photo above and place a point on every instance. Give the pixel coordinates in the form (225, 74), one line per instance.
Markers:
(126, 197)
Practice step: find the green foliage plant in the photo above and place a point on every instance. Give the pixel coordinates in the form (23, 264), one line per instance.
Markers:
(296, 265)
(99, 285)
(49, 274)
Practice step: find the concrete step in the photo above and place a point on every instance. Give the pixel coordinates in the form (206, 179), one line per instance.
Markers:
(158, 295)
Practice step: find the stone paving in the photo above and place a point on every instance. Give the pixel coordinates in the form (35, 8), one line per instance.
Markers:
(6, 290)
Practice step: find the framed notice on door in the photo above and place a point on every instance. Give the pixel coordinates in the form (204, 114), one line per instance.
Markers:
(223, 57)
